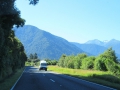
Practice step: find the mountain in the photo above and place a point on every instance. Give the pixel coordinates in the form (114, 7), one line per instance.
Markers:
(115, 44)
(95, 41)
(44, 43)
(50, 46)
(95, 47)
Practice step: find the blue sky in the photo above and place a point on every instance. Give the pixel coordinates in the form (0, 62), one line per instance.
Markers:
(74, 20)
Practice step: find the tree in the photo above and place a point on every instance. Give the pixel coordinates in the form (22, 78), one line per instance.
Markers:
(101, 62)
(12, 52)
(61, 60)
(78, 60)
(31, 56)
(34, 2)
(35, 56)
(70, 63)
(110, 54)
(88, 62)
(52, 62)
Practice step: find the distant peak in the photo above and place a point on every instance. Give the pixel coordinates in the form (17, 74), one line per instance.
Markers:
(105, 41)
(93, 41)
(114, 40)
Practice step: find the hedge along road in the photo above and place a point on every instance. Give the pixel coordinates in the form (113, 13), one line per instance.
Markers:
(33, 79)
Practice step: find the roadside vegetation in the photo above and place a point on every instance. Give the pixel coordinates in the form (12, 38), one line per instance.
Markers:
(106, 61)
(106, 78)
(36, 62)
(103, 69)
(8, 83)
(100, 77)
(12, 55)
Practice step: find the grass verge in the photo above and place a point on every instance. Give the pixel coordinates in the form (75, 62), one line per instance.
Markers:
(100, 77)
(9, 82)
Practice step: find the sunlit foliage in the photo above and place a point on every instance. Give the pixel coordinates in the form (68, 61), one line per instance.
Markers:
(106, 61)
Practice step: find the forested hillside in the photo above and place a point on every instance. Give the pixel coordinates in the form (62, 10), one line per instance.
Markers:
(44, 43)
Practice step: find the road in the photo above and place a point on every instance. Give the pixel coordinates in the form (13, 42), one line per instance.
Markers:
(33, 79)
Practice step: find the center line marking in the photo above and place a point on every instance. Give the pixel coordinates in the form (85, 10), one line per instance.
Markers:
(60, 85)
(43, 74)
(52, 80)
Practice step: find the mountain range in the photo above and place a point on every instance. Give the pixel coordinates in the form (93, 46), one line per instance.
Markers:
(96, 47)
(44, 43)
(47, 45)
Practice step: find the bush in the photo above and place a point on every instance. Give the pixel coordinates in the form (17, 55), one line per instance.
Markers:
(99, 65)
(61, 60)
(88, 63)
(52, 62)
(78, 60)
(110, 65)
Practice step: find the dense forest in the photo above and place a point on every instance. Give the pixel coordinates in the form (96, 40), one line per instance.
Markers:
(106, 61)
(12, 55)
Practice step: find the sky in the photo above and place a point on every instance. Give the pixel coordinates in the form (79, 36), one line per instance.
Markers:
(74, 20)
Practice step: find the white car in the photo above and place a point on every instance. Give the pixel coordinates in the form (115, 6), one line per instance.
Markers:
(43, 65)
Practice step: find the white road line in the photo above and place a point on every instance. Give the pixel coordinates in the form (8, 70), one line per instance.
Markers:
(52, 80)
(60, 85)
(43, 74)
(17, 80)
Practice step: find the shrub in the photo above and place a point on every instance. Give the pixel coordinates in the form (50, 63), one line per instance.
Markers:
(78, 60)
(88, 63)
(99, 65)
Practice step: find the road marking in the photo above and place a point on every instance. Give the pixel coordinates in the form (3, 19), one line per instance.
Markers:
(17, 80)
(60, 85)
(52, 80)
(43, 74)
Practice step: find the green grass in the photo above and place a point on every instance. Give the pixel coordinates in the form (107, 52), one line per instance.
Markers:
(100, 77)
(9, 82)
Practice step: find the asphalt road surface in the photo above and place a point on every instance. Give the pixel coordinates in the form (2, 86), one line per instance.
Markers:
(33, 79)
